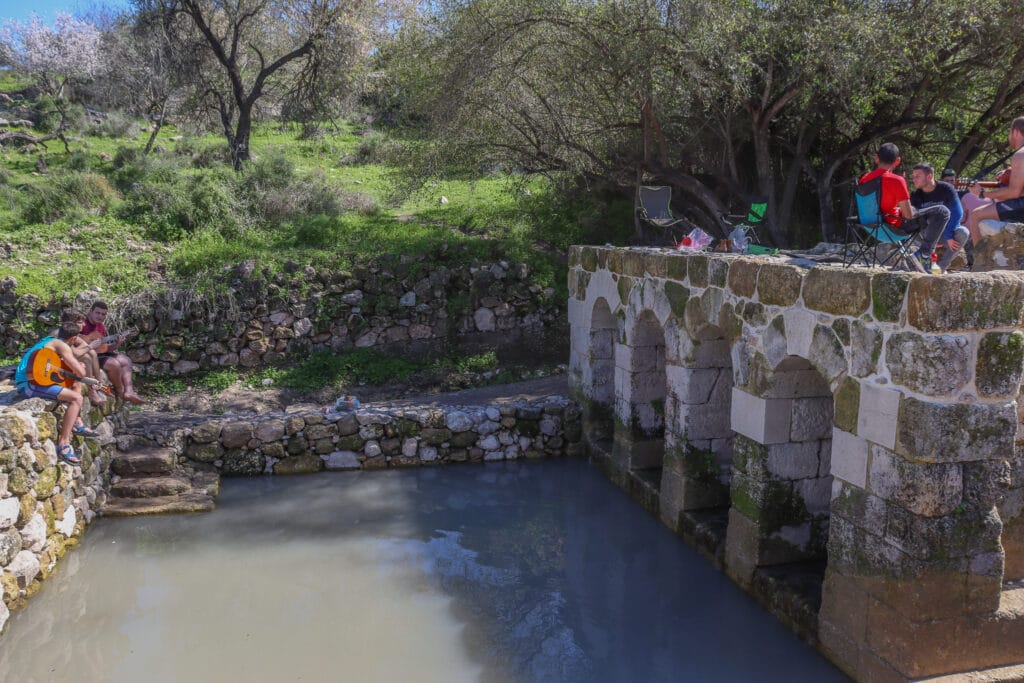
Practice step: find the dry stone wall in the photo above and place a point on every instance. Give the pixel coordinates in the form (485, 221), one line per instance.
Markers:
(45, 505)
(374, 438)
(261, 317)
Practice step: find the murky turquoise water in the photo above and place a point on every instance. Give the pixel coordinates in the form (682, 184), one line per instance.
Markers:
(538, 571)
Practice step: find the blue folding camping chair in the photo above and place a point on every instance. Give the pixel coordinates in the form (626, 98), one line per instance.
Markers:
(867, 230)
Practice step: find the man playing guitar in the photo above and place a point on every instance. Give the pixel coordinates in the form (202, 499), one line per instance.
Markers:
(72, 396)
(117, 365)
(1008, 201)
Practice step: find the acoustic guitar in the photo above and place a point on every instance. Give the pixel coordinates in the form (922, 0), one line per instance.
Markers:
(47, 369)
(111, 339)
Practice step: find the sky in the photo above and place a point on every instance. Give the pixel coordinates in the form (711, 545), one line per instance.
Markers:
(22, 10)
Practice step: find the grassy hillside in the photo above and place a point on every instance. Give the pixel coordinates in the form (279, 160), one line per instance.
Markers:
(106, 216)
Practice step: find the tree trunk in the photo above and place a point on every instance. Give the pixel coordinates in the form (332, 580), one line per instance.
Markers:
(158, 123)
(239, 142)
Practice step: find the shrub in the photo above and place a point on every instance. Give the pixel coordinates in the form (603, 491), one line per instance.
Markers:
(68, 194)
(315, 231)
(78, 161)
(172, 205)
(115, 125)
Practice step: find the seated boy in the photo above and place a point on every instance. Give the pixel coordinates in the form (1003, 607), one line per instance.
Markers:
(73, 397)
(85, 351)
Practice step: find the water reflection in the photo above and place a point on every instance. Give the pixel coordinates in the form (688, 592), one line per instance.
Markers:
(502, 572)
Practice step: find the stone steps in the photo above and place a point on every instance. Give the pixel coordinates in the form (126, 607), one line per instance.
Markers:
(146, 461)
(160, 505)
(150, 481)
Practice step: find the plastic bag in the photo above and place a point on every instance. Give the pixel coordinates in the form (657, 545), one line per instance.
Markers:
(739, 241)
(697, 240)
(344, 403)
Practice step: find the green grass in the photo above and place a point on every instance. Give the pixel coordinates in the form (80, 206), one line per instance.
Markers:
(116, 243)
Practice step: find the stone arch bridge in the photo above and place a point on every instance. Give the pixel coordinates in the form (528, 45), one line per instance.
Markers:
(845, 444)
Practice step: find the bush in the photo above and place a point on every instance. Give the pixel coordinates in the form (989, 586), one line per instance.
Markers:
(115, 125)
(375, 148)
(78, 161)
(171, 205)
(276, 195)
(315, 231)
(68, 194)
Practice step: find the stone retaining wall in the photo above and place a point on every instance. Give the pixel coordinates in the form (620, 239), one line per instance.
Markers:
(374, 438)
(45, 505)
(261, 317)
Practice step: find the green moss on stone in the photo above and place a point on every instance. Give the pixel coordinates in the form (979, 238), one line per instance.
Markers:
(676, 267)
(887, 293)
(841, 326)
(847, 402)
(698, 270)
(625, 286)
(1000, 364)
(588, 259)
(677, 296)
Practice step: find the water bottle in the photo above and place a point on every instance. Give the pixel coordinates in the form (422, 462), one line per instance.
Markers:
(936, 270)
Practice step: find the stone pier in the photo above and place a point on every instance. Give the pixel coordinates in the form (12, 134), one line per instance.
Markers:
(843, 443)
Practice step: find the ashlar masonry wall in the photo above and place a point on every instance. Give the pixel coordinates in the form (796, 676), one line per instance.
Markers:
(861, 418)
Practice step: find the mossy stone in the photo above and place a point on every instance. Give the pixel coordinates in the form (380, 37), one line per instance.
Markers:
(698, 270)
(633, 263)
(742, 280)
(352, 442)
(625, 286)
(19, 481)
(847, 403)
(26, 508)
(46, 482)
(839, 291)
(654, 265)
(677, 296)
(299, 464)
(587, 259)
(581, 284)
(980, 302)
(1000, 364)
(718, 271)
(675, 267)
(47, 425)
(778, 284)
(841, 326)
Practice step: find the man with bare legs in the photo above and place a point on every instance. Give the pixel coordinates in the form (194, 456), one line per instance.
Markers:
(117, 365)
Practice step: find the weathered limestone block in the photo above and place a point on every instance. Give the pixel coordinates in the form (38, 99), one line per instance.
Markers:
(632, 263)
(299, 464)
(925, 489)
(236, 434)
(811, 419)
(742, 280)
(270, 430)
(839, 291)
(765, 421)
(24, 567)
(779, 285)
(936, 432)
(342, 460)
(826, 353)
(847, 405)
(33, 534)
(1000, 365)
(930, 364)
(888, 292)
(849, 458)
(981, 301)
(205, 452)
(865, 349)
(9, 508)
(678, 295)
(878, 415)
(10, 545)
(207, 432)
(243, 462)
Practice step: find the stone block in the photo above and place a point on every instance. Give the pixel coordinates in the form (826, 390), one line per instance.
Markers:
(778, 284)
(799, 326)
(765, 421)
(270, 430)
(816, 493)
(1000, 364)
(697, 270)
(926, 489)
(980, 302)
(236, 434)
(839, 291)
(718, 270)
(9, 510)
(742, 280)
(811, 419)
(849, 458)
(865, 349)
(342, 460)
(958, 432)
(790, 461)
(935, 365)
(708, 421)
(878, 414)
(847, 405)
(677, 295)
(299, 464)
(888, 291)
(827, 354)
(24, 567)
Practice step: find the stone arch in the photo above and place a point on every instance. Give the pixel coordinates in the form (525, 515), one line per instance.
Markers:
(601, 354)
(781, 481)
(640, 395)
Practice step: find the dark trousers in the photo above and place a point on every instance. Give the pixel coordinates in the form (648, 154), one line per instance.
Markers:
(930, 222)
